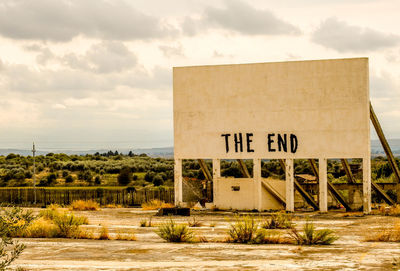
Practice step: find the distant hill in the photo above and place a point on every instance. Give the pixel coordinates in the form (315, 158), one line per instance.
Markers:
(376, 147)
(153, 152)
(168, 152)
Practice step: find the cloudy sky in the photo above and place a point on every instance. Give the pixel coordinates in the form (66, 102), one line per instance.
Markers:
(84, 74)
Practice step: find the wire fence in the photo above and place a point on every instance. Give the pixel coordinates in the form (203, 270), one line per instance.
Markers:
(65, 196)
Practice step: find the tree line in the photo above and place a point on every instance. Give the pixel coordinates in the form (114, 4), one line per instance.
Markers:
(116, 169)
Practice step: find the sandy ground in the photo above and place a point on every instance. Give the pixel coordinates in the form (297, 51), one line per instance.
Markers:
(150, 252)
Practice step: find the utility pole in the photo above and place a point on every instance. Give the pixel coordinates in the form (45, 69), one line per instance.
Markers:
(34, 173)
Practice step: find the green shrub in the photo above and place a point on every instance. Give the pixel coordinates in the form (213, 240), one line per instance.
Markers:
(12, 221)
(158, 180)
(68, 224)
(172, 232)
(243, 230)
(125, 176)
(311, 236)
(246, 230)
(97, 180)
(48, 213)
(51, 178)
(69, 179)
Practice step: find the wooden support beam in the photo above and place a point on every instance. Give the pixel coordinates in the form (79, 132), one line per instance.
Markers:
(265, 185)
(273, 192)
(382, 193)
(243, 168)
(338, 196)
(314, 168)
(346, 166)
(306, 196)
(334, 192)
(384, 143)
(205, 169)
(282, 163)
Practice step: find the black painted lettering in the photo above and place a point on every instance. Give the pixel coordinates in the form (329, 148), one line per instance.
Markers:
(226, 141)
(270, 141)
(249, 140)
(282, 142)
(238, 141)
(293, 143)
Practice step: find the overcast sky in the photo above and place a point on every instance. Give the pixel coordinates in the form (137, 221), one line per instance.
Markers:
(85, 74)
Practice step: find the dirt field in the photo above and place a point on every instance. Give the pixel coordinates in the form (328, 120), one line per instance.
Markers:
(150, 252)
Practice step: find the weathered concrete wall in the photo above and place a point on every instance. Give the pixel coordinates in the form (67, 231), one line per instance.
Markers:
(245, 198)
(324, 103)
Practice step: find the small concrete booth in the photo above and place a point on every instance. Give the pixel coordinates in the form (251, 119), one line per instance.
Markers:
(315, 109)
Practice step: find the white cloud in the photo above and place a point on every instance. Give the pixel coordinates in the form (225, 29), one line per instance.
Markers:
(241, 17)
(58, 106)
(341, 36)
(104, 57)
(19, 114)
(62, 20)
(80, 102)
(172, 50)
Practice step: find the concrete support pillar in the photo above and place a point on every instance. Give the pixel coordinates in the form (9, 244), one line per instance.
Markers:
(257, 186)
(178, 181)
(216, 164)
(289, 185)
(323, 185)
(367, 185)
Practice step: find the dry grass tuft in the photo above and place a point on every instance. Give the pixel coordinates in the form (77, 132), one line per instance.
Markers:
(265, 236)
(194, 222)
(201, 239)
(49, 214)
(125, 237)
(53, 206)
(156, 204)
(278, 221)
(53, 222)
(388, 210)
(104, 233)
(146, 223)
(40, 228)
(84, 234)
(84, 205)
(385, 235)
